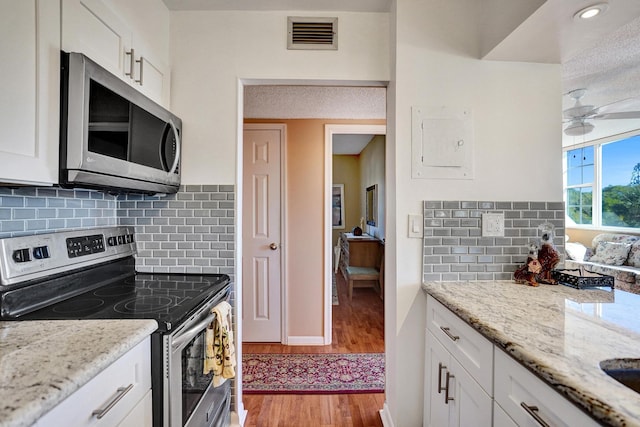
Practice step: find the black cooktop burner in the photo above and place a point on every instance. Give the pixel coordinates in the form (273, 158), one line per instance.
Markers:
(146, 304)
(167, 298)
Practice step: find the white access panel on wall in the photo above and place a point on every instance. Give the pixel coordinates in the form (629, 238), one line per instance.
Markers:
(442, 142)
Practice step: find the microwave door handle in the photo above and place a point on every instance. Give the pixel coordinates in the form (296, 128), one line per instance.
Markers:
(178, 147)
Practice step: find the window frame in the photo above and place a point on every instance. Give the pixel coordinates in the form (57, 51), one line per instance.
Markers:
(596, 199)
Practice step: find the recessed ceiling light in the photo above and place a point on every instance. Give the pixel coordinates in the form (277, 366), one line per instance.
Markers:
(591, 11)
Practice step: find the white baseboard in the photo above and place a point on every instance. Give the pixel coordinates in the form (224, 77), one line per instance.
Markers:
(385, 416)
(319, 340)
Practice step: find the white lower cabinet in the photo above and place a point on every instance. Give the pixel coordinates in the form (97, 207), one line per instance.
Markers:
(531, 402)
(119, 396)
(455, 398)
(500, 418)
(459, 373)
(471, 382)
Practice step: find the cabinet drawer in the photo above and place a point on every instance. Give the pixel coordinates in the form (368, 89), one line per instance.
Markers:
(465, 344)
(500, 418)
(515, 386)
(132, 369)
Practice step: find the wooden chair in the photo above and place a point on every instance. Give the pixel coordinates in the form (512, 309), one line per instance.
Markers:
(371, 274)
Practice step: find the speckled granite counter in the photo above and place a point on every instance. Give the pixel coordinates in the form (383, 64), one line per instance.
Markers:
(559, 333)
(43, 362)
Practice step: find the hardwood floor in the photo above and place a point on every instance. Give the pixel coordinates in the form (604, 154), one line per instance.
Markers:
(358, 327)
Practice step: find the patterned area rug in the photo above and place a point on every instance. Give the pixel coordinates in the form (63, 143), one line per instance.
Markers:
(329, 373)
(334, 291)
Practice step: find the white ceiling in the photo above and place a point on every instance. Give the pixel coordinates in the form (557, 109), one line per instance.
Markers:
(311, 5)
(601, 55)
(351, 144)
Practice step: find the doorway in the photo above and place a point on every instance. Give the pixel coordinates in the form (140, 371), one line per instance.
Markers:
(307, 164)
(369, 159)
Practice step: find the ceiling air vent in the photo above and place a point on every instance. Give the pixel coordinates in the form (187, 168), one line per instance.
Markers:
(312, 33)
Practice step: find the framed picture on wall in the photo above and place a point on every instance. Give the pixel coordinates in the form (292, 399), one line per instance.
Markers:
(337, 206)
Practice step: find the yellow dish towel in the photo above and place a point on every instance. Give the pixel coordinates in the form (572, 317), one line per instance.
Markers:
(220, 353)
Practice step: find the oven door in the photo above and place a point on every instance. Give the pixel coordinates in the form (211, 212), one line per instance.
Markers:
(192, 400)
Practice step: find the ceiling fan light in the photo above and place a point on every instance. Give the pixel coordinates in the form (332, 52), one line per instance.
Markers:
(578, 128)
(591, 12)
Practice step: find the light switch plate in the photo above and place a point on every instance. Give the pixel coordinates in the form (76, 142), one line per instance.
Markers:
(416, 226)
(492, 224)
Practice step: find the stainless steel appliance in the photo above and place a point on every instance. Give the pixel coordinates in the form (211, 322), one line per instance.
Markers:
(90, 274)
(112, 137)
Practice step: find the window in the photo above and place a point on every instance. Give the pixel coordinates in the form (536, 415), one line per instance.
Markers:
(602, 184)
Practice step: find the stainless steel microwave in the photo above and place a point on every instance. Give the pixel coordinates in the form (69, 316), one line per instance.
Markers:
(112, 137)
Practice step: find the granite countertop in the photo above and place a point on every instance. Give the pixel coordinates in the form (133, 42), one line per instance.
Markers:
(559, 333)
(43, 362)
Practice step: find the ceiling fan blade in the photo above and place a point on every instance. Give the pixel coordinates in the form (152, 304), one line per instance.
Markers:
(619, 115)
(628, 104)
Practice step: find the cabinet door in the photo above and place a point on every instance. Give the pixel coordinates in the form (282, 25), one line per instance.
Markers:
(151, 77)
(436, 411)
(471, 405)
(30, 101)
(116, 392)
(90, 27)
(500, 418)
(466, 344)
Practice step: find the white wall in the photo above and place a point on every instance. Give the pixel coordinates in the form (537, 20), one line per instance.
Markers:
(210, 51)
(432, 46)
(516, 109)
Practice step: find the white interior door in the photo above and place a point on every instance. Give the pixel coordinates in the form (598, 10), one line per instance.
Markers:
(261, 230)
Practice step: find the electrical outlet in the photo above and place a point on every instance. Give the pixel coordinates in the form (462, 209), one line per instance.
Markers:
(492, 224)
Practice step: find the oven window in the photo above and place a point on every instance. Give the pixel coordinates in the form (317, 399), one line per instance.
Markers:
(194, 382)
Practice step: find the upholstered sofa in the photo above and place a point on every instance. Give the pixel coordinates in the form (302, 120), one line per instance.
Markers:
(616, 255)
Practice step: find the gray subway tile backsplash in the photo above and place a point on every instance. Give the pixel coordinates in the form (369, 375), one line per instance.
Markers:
(455, 246)
(192, 231)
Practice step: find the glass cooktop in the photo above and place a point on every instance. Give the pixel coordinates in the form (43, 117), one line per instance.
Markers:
(166, 298)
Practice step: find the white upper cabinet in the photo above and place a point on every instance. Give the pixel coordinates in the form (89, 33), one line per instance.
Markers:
(113, 35)
(30, 87)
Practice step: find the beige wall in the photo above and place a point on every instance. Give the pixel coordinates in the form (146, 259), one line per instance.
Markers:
(305, 222)
(372, 172)
(346, 170)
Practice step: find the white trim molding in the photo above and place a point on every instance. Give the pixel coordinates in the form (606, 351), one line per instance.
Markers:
(318, 340)
(385, 416)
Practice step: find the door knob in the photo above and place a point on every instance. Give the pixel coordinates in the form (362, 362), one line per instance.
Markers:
(273, 246)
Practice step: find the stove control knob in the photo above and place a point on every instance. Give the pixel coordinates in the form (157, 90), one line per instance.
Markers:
(41, 252)
(21, 255)
(111, 241)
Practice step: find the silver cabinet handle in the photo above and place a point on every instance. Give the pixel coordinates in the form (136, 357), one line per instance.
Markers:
(139, 61)
(99, 413)
(449, 334)
(131, 61)
(446, 388)
(533, 411)
(440, 368)
(273, 246)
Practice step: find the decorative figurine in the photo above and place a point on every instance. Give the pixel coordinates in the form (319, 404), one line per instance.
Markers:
(548, 255)
(528, 272)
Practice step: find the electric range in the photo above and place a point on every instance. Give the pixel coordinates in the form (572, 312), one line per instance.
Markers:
(90, 274)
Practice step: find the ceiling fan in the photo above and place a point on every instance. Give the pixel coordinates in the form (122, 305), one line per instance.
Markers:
(579, 116)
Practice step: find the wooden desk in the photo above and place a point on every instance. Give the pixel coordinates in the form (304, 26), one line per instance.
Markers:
(361, 251)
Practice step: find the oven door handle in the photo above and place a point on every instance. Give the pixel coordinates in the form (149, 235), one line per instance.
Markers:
(188, 335)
